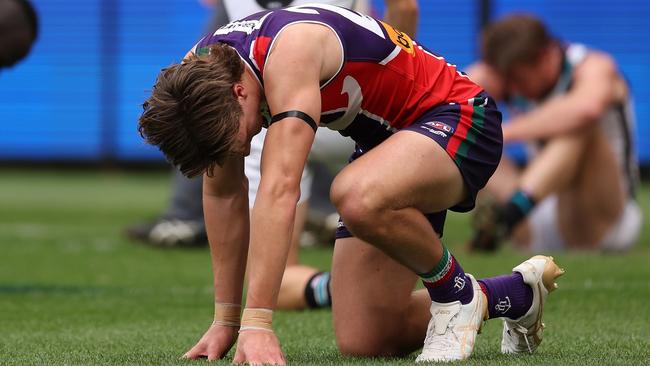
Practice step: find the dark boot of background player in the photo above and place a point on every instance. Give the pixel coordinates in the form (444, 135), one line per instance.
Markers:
(493, 223)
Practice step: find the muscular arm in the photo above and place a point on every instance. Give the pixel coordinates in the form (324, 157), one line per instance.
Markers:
(403, 15)
(225, 206)
(594, 89)
(301, 49)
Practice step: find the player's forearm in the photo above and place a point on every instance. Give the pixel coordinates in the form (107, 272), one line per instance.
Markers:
(556, 117)
(271, 228)
(227, 224)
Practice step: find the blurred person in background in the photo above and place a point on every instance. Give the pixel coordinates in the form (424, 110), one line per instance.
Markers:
(18, 31)
(182, 224)
(572, 107)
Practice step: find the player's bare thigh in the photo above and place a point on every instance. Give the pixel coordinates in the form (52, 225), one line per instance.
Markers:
(406, 170)
(594, 203)
(374, 310)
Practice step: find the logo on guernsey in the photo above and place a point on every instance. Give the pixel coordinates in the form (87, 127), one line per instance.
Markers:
(459, 283)
(435, 132)
(503, 305)
(400, 39)
(440, 126)
(246, 26)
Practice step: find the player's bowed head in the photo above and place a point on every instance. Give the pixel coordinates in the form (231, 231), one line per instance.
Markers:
(195, 112)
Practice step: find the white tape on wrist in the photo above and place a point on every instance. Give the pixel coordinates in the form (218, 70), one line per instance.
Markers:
(257, 319)
(226, 314)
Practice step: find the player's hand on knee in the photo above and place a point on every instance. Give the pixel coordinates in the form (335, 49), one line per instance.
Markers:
(214, 344)
(258, 347)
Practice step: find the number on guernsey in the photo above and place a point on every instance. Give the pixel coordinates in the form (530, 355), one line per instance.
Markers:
(364, 21)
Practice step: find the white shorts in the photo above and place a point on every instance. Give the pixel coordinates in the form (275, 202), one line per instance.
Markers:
(329, 147)
(546, 234)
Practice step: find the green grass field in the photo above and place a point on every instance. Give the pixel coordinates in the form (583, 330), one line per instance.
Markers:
(73, 291)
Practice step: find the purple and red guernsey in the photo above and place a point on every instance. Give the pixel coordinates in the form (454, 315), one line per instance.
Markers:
(386, 80)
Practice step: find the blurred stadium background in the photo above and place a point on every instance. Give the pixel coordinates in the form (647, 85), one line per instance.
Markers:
(74, 291)
(77, 97)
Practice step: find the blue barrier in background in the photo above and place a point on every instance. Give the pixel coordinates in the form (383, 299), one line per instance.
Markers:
(78, 95)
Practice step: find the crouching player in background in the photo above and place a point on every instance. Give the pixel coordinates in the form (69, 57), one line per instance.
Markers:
(572, 107)
(428, 139)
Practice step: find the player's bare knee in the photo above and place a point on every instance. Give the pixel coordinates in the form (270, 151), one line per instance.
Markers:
(344, 194)
(338, 190)
(359, 206)
(353, 344)
(359, 215)
(358, 348)
(579, 140)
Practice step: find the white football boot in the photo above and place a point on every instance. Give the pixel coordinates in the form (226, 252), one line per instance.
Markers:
(523, 335)
(453, 327)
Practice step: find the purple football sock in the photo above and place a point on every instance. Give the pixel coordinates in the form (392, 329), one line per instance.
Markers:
(508, 295)
(447, 282)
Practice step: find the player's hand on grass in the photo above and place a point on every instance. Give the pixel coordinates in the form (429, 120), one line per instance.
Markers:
(214, 344)
(258, 347)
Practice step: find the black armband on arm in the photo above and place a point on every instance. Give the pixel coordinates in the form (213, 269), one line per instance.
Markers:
(298, 114)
